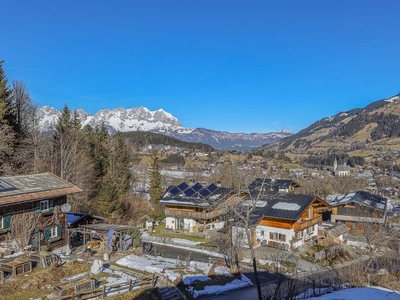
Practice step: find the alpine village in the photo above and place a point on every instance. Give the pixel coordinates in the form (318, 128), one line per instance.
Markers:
(142, 208)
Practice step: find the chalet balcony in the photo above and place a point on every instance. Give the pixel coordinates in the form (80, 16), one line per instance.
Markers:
(195, 215)
(303, 225)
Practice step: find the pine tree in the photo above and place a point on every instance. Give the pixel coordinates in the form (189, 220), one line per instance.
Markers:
(7, 135)
(5, 92)
(156, 190)
(116, 183)
(62, 144)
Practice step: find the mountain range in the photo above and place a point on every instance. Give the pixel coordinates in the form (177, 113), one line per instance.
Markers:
(160, 121)
(358, 132)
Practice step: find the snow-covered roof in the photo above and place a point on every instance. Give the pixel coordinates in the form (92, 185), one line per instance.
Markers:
(360, 198)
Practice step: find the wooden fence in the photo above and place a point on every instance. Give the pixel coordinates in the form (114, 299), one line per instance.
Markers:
(328, 252)
(86, 290)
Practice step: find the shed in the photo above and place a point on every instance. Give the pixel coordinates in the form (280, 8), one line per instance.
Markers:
(102, 231)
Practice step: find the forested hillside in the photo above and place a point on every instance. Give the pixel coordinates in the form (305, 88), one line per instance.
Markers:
(365, 128)
(143, 138)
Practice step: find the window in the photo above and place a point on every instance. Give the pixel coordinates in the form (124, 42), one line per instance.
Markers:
(5, 222)
(277, 236)
(262, 232)
(52, 233)
(310, 229)
(299, 234)
(44, 205)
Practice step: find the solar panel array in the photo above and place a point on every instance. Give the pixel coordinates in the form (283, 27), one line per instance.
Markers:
(195, 191)
(4, 186)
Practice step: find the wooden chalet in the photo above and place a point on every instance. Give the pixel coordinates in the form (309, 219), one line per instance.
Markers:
(357, 208)
(274, 185)
(284, 219)
(30, 210)
(194, 207)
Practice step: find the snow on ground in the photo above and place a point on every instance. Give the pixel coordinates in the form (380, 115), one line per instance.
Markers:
(193, 270)
(362, 293)
(184, 242)
(168, 266)
(167, 240)
(216, 289)
(14, 255)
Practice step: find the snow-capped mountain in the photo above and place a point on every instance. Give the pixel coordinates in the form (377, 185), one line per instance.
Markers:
(160, 121)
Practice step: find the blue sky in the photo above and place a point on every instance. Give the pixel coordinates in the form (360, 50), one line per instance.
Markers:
(238, 66)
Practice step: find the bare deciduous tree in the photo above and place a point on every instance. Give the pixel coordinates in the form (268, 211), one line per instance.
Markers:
(22, 227)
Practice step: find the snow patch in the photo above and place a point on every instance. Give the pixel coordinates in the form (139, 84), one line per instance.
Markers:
(286, 206)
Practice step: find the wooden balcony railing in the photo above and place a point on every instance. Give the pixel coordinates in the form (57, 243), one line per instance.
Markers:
(196, 215)
(302, 225)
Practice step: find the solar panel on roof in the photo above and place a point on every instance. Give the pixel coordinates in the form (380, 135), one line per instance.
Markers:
(4, 186)
(197, 187)
(175, 191)
(183, 186)
(204, 193)
(212, 187)
(189, 192)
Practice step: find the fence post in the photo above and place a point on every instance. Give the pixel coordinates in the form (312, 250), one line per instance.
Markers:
(130, 285)
(104, 292)
(152, 281)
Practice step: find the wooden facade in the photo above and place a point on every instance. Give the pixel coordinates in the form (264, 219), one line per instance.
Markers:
(283, 232)
(30, 211)
(49, 224)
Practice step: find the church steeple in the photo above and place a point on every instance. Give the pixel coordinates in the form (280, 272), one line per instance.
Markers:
(335, 165)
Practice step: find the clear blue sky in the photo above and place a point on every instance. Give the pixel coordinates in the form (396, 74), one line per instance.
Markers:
(238, 66)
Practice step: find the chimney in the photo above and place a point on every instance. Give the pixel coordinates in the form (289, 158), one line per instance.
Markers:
(218, 183)
(191, 182)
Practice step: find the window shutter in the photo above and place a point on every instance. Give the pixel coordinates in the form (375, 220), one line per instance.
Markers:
(51, 204)
(271, 236)
(6, 222)
(283, 237)
(59, 230)
(37, 207)
(47, 234)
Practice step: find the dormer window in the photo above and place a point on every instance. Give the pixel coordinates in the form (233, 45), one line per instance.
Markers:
(43, 206)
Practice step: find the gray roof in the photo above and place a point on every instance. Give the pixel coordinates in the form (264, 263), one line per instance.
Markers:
(334, 229)
(278, 206)
(22, 188)
(194, 195)
(360, 198)
(271, 184)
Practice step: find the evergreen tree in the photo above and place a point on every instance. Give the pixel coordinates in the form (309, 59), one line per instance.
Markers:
(7, 135)
(62, 144)
(5, 93)
(156, 190)
(116, 183)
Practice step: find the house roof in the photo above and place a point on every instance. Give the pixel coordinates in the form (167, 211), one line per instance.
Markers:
(334, 229)
(195, 195)
(272, 184)
(73, 217)
(359, 198)
(26, 188)
(279, 206)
